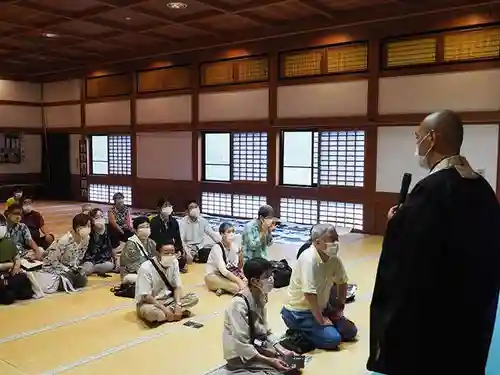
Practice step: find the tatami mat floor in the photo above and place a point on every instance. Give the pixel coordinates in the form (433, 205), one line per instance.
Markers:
(94, 332)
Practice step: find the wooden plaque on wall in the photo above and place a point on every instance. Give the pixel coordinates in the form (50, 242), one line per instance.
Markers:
(84, 191)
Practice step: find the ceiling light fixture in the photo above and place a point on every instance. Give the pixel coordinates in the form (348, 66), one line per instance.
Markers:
(128, 18)
(176, 5)
(49, 35)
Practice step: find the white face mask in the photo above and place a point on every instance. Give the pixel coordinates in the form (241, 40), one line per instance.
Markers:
(3, 231)
(27, 208)
(229, 237)
(84, 232)
(194, 212)
(167, 260)
(332, 249)
(166, 211)
(422, 159)
(99, 223)
(267, 285)
(143, 232)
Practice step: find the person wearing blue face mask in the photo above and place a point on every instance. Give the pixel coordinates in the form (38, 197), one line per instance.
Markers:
(308, 311)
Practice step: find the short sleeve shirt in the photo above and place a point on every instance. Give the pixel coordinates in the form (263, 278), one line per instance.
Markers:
(313, 276)
(150, 282)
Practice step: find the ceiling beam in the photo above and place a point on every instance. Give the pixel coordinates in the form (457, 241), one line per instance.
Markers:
(317, 7)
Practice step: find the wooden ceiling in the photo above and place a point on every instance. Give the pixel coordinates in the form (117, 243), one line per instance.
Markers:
(42, 37)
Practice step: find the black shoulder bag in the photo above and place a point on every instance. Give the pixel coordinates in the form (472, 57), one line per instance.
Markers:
(250, 318)
(157, 268)
(223, 253)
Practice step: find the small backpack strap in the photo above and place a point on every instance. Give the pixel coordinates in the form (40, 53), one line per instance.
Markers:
(223, 253)
(250, 317)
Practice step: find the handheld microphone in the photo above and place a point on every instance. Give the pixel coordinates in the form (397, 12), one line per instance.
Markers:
(405, 186)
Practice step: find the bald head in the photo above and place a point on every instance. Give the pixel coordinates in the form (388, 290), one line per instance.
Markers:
(449, 130)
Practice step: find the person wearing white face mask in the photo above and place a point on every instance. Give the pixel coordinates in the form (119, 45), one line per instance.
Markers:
(98, 258)
(20, 234)
(196, 233)
(15, 284)
(17, 198)
(61, 268)
(120, 221)
(257, 234)
(222, 271)
(444, 237)
(164, 227)
(158, 290)
(136, 250)
(246, 317)
(36, 224)
(315, 273)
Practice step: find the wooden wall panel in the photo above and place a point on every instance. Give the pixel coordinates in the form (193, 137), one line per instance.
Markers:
(235, 105)
(108, 86)
(461, 91)
(63, 116)
(18, 116)
(108, 113)
(19, 91)
(61, 91)
(31, 162)
(323, 99)
(173, 149)
(74, 156)
(167, 79)
(344, 86)
(165, 110)
(396, 154)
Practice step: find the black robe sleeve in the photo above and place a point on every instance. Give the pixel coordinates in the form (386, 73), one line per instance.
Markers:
(427, 279)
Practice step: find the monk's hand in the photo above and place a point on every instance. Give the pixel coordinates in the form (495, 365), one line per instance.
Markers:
(391, 212)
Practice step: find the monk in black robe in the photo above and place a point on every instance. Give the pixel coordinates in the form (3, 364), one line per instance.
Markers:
(435, 298)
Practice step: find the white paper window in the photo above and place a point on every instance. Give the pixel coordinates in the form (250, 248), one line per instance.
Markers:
(99, 154)
(299, 211)
(246, 206)
(111, 155)
(104, 193)
(120, 155)
(349, 215)
(249, 157)
(125, 190)
(99, 193)
(300, 150)
(217, 156)
(342, 158)
(216, 204)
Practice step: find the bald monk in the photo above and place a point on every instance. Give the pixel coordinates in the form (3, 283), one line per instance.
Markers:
(436, 291)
